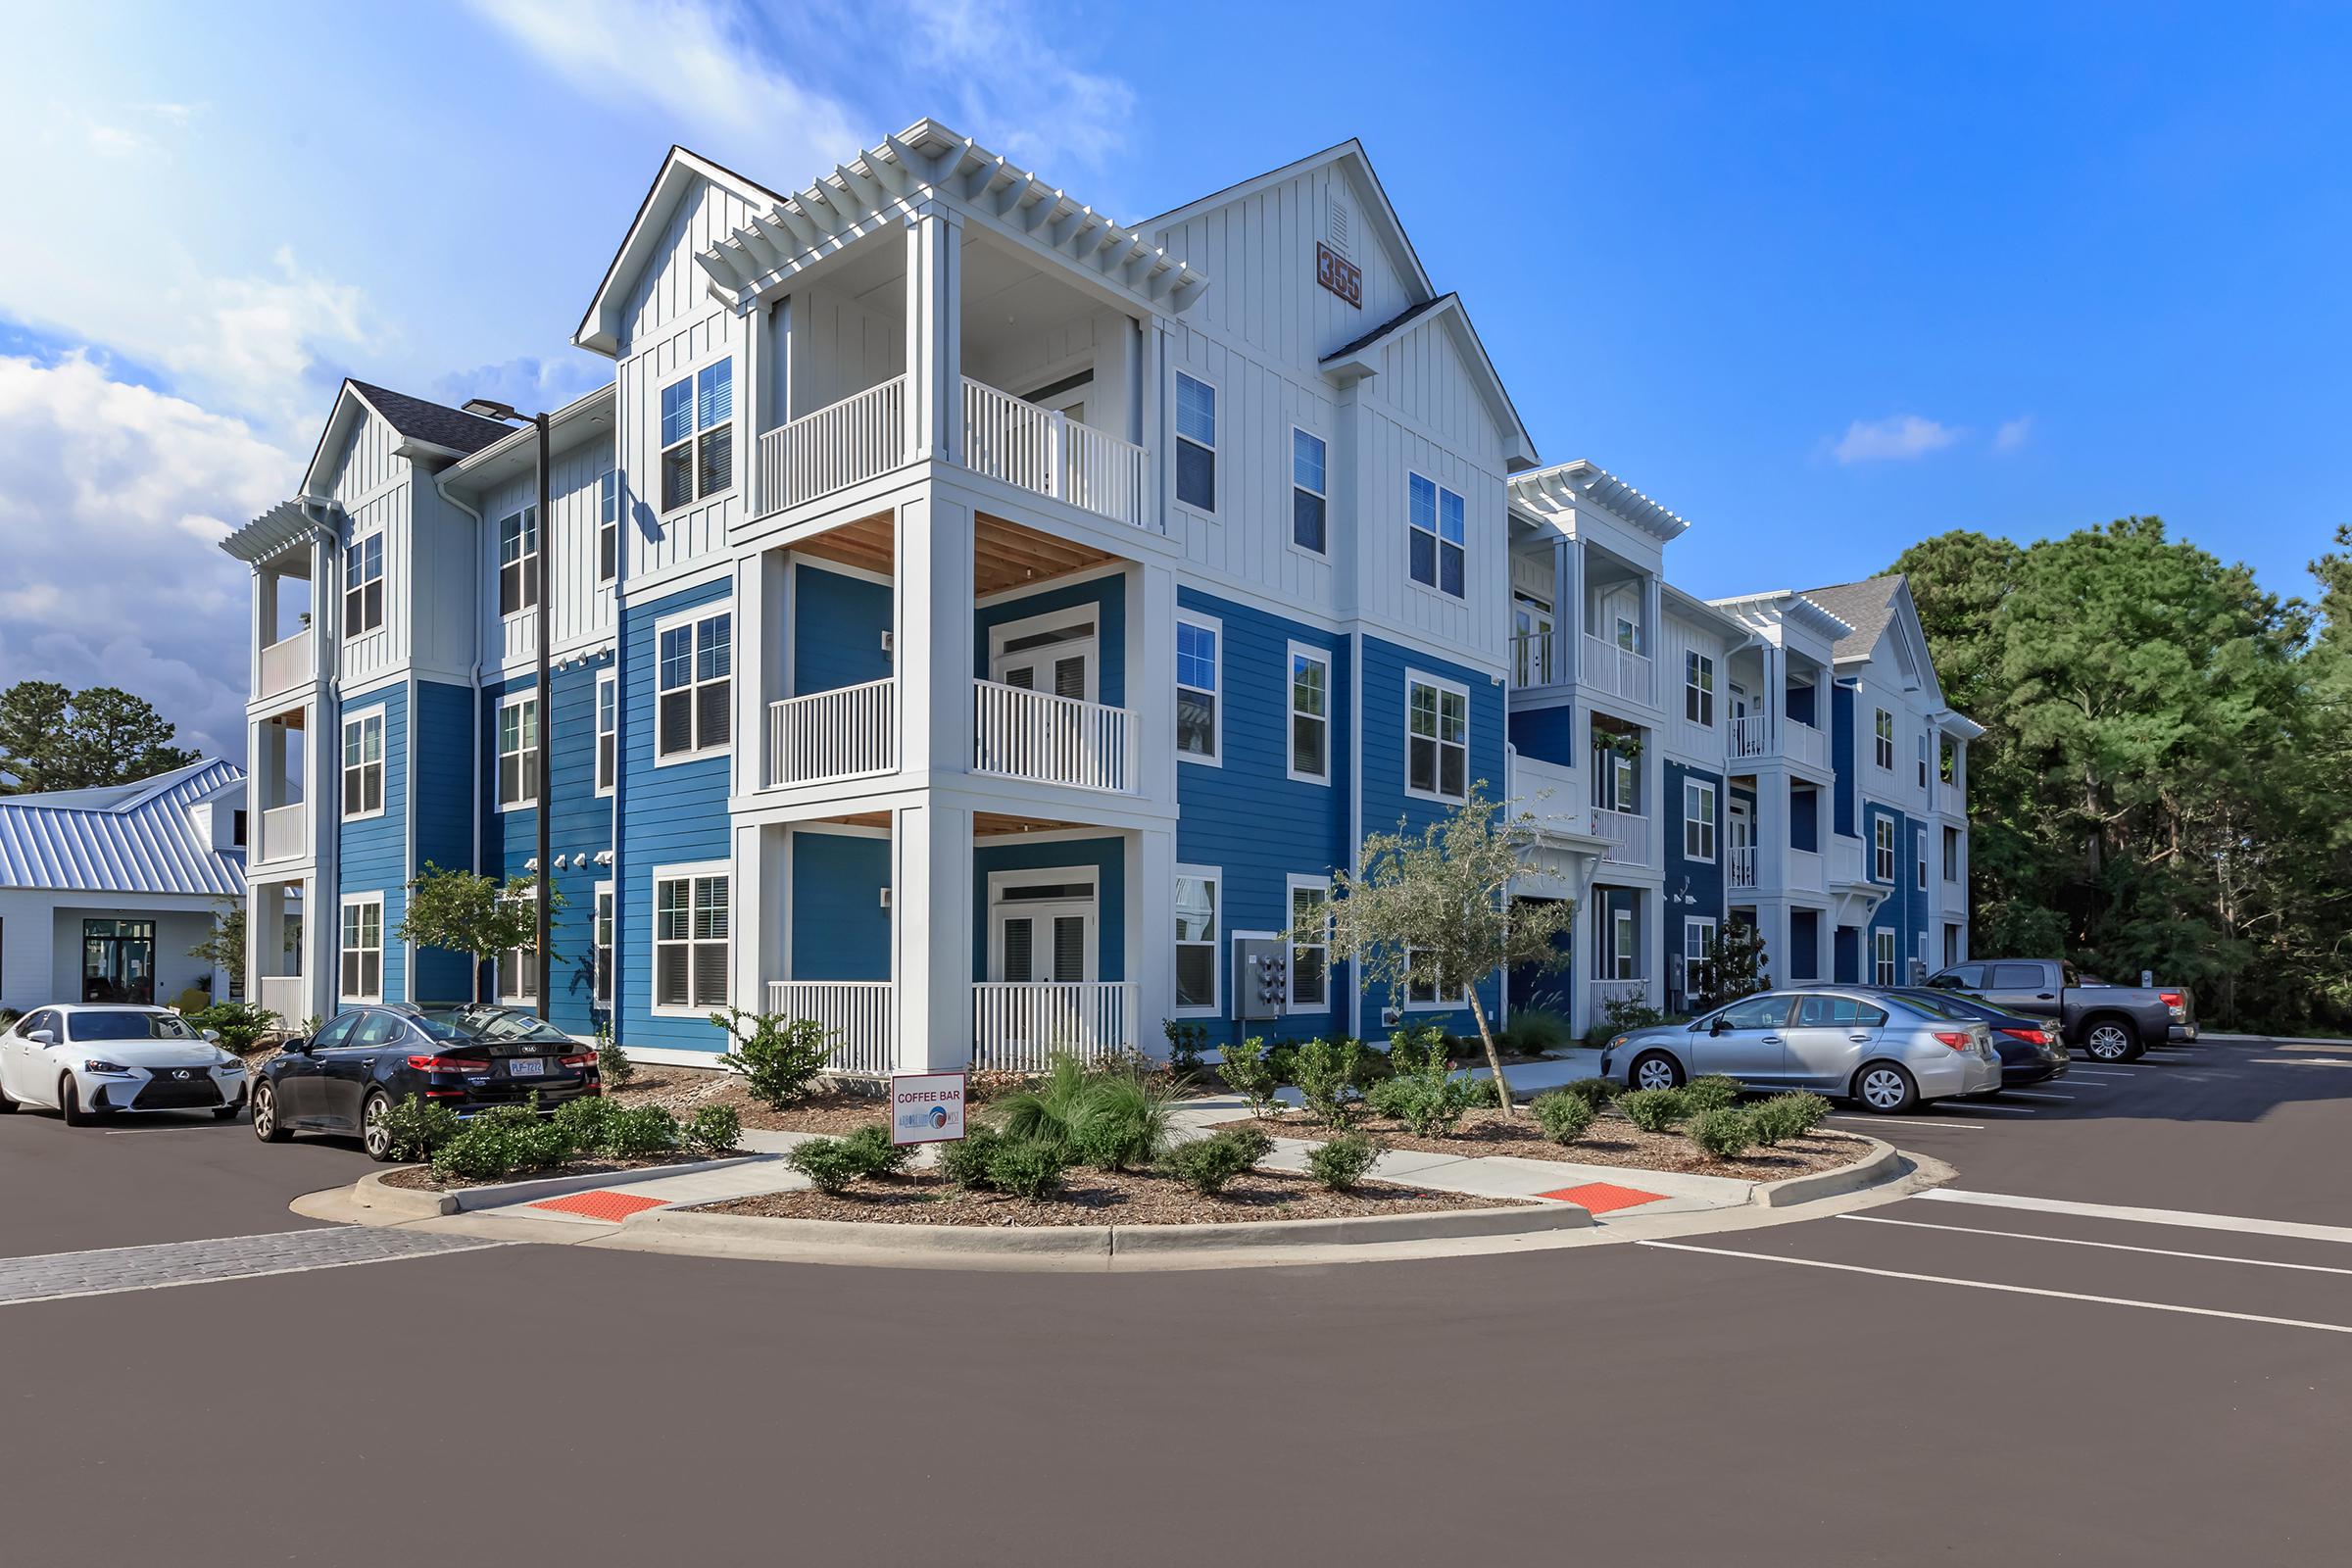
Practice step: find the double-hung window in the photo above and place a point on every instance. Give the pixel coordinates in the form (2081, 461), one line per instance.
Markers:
(518, 752)
(363, 764)
(1196, 889)
(1698, 820)
(607, 731)
(1420, 978)
(1435, 515)
(689, 939)
(1698, 688)
(1437, 739)
(363, 952)
(1918, 842)
(604, 944)
(1882, 835)
(1884, 956)
(518, 967)
(694, 673)
(1310, 715)
(608, 527)
(364, 587)
(1310, 945)
(1198, 733)
(517, 561)
(1923, 761)
(1882, 740)
(698, 435)
(1621, 955)
(1309, 496)
(1195, 443)
(1698, 946)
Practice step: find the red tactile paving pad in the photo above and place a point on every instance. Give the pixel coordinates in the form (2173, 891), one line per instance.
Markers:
(1599, 1197)
(613, 1207)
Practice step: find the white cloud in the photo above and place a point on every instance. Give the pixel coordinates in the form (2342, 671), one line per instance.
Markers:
(1016, 94)
(112, 499)
(2013, 433)
(1901, 437)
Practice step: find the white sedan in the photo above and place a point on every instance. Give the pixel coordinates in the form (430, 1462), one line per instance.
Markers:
(85, 1059)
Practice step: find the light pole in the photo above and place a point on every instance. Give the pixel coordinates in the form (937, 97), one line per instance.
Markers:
(542, 700)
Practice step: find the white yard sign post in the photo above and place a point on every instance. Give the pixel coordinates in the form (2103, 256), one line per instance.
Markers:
(926, 1107)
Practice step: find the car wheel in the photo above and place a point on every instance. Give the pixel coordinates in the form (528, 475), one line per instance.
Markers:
(69, 1102)
(265, 1115)
(2110, 1039)
(1885, 1089)
(375, 1126)
(1656, 1070)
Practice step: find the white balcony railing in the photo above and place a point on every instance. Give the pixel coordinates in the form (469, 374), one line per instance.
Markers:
(286, 663)
(1605, 992)
(1845, 859)
(285, 833)
(1750, 738)
(287, 995)
(1627, 835)
(1805, 744)
(838, 446)
(859, 1017)
(1046, 451)
(1949, 800)
(851, 732)
(1018, 733)
(1019, 1026)
(1608, 668)
(1805, 872)
(1532, 659)
(1746, 737)
(1739, 865)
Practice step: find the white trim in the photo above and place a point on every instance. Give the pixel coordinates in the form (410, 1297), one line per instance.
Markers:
(1886, 955)
(1714, 823)
(692, 375)
(361, 900)
(1918, 836)
(693, 617)
(1436, 1003)
(1883, 823)
(1214, 876)
(1439, 683)
(529, 560)
(1215, 447)
(1027, 590)
(607, 680)
(1290, 714)
(605, 955)
(538, 749)
(689, 872)
(1437, 534)
(1037, 876)
(1886, 714)
(1291, 531)
(610, 476)
(383, 726)
(1692, 688)
(1292, 885)
(1091, 644)
(1693, 922)
(1215, 626)
(352, 585)
(525, 966)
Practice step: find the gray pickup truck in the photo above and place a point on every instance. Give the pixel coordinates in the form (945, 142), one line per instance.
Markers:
(2109, 1023)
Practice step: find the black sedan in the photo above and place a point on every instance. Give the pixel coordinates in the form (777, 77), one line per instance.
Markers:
(370, 1059)
(2031, 1050)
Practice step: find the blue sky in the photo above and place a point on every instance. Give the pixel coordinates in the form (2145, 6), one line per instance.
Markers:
(1823, 282)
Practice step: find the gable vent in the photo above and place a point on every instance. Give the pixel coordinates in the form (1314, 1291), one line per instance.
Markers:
(1340, 225)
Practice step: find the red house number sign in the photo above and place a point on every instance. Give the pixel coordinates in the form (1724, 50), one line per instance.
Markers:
(1338, 274)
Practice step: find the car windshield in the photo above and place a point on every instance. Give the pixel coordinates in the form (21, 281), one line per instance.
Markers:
(485, 1025)
(128, 1026)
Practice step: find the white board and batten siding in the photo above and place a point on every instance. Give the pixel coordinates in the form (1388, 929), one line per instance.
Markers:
(1686, 742)
(584, 606)
(374, 486)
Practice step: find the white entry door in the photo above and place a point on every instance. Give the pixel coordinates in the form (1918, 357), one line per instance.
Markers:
(1740, 832)
(1060, 659)
(1044, 929)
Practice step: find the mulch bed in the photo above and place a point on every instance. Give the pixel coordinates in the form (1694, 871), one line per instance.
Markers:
(1611, 1141)
(1100, 1198)
(683, 1091)
(421, 1178)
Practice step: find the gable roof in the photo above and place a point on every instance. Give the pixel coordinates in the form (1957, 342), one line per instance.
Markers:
(1386, 222)
(599, 329)
(1867, 608)
(124, 837)
(1360, 359)
(435, 424)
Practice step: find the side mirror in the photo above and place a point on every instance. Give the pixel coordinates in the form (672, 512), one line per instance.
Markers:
(1717, 1026)
(43, 1036)
(212, 1035)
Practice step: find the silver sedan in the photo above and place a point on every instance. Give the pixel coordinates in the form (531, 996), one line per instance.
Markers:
(1854, 1043)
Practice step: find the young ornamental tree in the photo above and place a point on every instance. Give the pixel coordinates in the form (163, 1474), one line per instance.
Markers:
(1734, 967)
(465, 911)
(1443, 894)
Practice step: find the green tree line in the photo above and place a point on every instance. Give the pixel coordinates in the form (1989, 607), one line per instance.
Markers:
(2167, 767)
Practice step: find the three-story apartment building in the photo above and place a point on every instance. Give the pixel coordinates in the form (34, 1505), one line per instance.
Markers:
(982, 626)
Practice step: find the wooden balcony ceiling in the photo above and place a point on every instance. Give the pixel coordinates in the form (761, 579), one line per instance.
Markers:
(985, 824)
(1006, 555)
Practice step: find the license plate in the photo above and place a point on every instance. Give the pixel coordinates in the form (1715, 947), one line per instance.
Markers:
(526, 1067)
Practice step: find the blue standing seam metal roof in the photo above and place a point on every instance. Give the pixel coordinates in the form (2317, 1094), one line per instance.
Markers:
(124, 837)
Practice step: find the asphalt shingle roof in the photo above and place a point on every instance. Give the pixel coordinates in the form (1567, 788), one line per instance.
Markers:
(1868, 607)
(441, 425)
(1403, 317)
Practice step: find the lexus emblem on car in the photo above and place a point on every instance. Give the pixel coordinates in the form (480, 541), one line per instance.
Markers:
(180, 1072)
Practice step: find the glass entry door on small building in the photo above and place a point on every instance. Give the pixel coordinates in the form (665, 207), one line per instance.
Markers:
(118, 960)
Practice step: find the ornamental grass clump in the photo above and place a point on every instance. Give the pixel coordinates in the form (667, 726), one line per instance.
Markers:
(1564, 1117)
(1121, 1122)
(1653, 1111)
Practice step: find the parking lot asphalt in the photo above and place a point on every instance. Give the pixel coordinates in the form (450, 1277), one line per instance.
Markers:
(1955, 1379)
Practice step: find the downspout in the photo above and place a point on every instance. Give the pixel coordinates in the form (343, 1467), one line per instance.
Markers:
(327, 849)
(1356, 812)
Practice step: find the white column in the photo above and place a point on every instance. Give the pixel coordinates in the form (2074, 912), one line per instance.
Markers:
(1151, 958)
(1150, 371)
(1654, 629)
(931, 935)
(933, 637)
(1150, 682)
(759, 904)
(264, 624)
(1571, 611)
(326, 591)
(1775, 694)
(934, 333)
(1771, 827)
(321, 946)
(747, 767)
(1771, 919)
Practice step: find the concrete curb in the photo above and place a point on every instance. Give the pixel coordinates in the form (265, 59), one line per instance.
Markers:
(410, 1202)
(882, 1244)
(1882, 1164)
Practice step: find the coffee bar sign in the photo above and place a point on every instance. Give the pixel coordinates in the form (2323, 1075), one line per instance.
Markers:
(926, 1107)
(1338, 274)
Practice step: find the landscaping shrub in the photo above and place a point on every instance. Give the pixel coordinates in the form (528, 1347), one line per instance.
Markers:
(585, 1119)
(712, 1130)
(1785, 1116)
(1122, 1121)
(1713, 1092)
(1595, 1092)
(240, 1024)
(779, 1057)
(419, 1127)
(829, 1163)
(1185, 1042)
(1247, 1074)
(1341, 1163)
(871, 1143)
(1206, 1164)
(612, 1063)
(636, 1131)
(1562, 1115)
(965, 1163)
(1325, 1075)
(1025, 1168)
(1723, 1132)
(513, 1140)
(1540, 1030)
(1623, 1014)
(1281, 1060)
(1653, 1111)
(1253, 1141)
(1421, 1091)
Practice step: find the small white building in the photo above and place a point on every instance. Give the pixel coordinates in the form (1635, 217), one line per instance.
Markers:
(104, 891)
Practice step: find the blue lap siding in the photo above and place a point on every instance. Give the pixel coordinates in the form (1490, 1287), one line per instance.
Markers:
(581, 825)
(838, 623)
(444, 731)
(374, 852)
(840, 928)
(1107, 858)
(1105, 595)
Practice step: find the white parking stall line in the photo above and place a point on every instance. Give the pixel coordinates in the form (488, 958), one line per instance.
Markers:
(2072, 1073)
(2110, 1247)
(2006, 1289)
(2003, 1111)
(2301, 1061)
(1909, 1121)
(2185, 1218)
(2022, 1094)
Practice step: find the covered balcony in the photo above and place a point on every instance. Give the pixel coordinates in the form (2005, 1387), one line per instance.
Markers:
(1601, 642)
(277, 792)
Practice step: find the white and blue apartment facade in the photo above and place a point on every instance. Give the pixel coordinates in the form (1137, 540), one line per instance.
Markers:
(982, 627)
